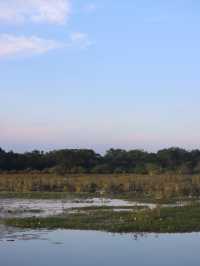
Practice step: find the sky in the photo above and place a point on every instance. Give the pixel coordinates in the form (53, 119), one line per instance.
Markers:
(99, 74)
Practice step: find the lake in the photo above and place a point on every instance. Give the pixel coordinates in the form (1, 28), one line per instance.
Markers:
(90, 248)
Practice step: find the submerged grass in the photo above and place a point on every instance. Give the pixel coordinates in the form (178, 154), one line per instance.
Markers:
(160, 220)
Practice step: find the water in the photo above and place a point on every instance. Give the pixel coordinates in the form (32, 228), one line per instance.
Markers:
(10, 208)
(50, 207)
(81, 248)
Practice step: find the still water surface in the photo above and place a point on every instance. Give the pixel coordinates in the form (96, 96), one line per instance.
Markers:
(81, 248)
(24, 207)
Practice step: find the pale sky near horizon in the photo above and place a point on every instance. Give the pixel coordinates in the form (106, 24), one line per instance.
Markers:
(99, 74)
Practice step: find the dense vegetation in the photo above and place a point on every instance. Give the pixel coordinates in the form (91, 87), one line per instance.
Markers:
(174, 160)
(161, 220)
(168, 174)
(165, 187)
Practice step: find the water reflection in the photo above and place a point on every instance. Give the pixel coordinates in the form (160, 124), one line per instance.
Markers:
(43, 208)
(12, 234)
(78, 248)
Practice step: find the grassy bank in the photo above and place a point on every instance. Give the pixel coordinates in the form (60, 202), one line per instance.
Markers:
(160, 220)
(132, 197)
(84, 195)
(46, 195)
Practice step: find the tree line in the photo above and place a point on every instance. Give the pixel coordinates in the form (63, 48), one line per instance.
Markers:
(174, 160)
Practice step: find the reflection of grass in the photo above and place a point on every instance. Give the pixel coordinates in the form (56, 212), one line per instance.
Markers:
(21, 211)
(102, 208)
(179, 219)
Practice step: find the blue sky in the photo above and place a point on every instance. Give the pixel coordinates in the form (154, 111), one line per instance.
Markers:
(99, 74)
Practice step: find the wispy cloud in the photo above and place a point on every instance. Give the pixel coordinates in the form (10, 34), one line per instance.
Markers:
(91, 7)
(11, 45)
(48, 11)
(80, 39)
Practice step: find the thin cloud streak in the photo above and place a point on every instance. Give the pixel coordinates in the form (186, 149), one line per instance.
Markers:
(36, 11)
(11, 45)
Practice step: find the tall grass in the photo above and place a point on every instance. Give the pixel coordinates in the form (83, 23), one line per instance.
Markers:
(158, 186)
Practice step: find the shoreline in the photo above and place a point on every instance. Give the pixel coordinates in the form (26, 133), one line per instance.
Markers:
(184, 219)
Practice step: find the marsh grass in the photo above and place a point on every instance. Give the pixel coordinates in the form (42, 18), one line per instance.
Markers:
(158, 188)
(160, 220)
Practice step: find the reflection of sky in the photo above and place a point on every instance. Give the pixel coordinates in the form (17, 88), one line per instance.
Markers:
(95, 248)
(137, 86)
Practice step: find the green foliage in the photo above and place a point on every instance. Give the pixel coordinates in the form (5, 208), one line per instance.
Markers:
(74, 161)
